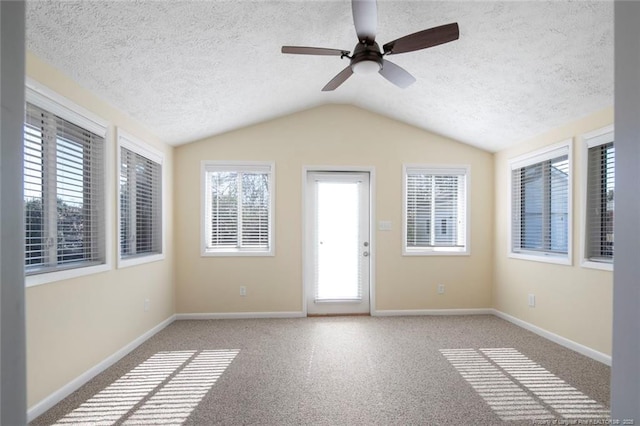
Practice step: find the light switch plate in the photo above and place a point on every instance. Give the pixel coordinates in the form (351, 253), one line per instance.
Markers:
(384, 225)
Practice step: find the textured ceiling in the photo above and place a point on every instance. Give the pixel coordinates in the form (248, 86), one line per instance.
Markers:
(191, 69)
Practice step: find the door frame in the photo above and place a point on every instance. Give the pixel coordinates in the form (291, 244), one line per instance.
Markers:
(307, 255)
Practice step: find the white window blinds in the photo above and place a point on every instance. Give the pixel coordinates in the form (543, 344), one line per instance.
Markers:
(140, 204)
(435, 209)
(238, 211)
(63, 193)
(600, 203)
(540, 199)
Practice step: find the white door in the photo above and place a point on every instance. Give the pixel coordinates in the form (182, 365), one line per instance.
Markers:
(337, 243)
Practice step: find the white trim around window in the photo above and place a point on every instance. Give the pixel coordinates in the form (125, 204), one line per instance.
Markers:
(61, 106)
(54, 103)
(156, 250)
(434, 241)
(518, 247)
(590, 140)
(232, 237)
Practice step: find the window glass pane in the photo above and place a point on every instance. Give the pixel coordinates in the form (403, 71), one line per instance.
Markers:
(435, 210)
(446, 210)
(33, 181)
(148, 206)
(126, 198)
(224, 209)
(532, 207)
(238, 215)
(140, 205)
(419, 207)
(144, 206)
(559, 209)
(74, 229)
(255, 210)
(540, 206)
(63, 194)
(600, 202)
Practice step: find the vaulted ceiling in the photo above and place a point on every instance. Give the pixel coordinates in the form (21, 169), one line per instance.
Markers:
(192, 69)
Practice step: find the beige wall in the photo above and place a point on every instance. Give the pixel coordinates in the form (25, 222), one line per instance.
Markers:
(330, 135)
(75, 324)
(572, 301)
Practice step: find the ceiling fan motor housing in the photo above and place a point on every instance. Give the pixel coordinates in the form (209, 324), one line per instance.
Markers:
(366, 58)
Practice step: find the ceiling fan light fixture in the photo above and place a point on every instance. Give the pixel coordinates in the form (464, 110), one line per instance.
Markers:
(367, 58)
(366, 67)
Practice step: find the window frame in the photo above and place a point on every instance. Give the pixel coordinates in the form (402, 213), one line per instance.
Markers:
(51, 101)
(216, 165)
(137, 146)
(592, 139)
(531, 158)
(439, 169)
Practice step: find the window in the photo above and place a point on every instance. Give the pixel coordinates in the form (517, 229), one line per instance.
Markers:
(541, 205)
(435, 210)
(64, 190)
(140, 202)
(599, 212)
(237, 209)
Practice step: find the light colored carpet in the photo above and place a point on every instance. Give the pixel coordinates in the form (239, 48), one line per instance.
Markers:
(456, 370)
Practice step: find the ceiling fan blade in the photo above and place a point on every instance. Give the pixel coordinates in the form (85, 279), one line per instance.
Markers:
(396, 74)
(365, 19)
(301, 50)
(423, 39)
(338, 79)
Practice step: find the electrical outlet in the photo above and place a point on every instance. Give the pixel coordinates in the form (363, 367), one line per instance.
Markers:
(440, 288)
(147, 304)
(532, 300)
(243, 290)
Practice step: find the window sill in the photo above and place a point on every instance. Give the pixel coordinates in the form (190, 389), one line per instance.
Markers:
(438, 251)
(50, 277)
(542, 257)
(237, 253)
(139, 260)
(603, 266)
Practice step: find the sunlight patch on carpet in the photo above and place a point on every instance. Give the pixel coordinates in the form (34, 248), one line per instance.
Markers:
(516, 388)
(164, 389)
(173, 403)
(563, 398)
(508, 400)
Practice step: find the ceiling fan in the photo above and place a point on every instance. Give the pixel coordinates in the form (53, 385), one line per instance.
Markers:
(367, 58)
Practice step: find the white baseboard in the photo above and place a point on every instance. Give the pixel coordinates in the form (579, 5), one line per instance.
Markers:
(66, 390)
(414, 312)
(563, 341)
(239, 315)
